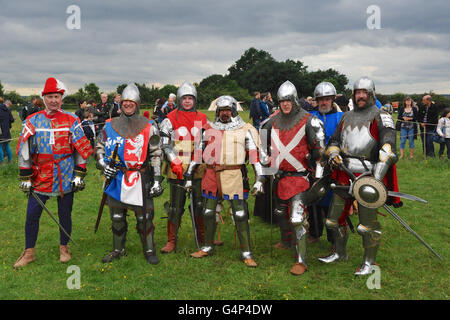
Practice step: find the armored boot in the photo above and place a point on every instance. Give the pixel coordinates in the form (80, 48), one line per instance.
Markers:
(64, 254)
(370, 230)
(25, 258)
(368, 261)
(171, 235)
(146, 233)
(339, 252)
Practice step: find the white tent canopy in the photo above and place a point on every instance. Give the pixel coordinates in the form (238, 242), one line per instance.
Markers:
(212, 106)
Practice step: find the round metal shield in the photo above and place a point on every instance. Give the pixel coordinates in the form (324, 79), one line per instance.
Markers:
(370, 192)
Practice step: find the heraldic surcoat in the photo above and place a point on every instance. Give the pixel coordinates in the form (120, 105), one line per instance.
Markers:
(52, 146)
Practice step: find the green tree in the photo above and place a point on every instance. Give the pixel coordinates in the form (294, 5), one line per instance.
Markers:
(1, 89)
(92, 92)
(16, 99)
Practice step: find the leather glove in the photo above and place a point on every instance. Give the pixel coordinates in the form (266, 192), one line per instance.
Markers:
(156, 189)
(109, 172)
(177, 168)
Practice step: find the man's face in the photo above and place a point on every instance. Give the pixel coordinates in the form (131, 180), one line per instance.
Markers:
(53, 102)
(286, 106)
(128, 107)
(170, 101)
(426, 100)
(325, 104)
(361, 97)
(104, 98)
(225, 115)
(187, 102)
(117, 98)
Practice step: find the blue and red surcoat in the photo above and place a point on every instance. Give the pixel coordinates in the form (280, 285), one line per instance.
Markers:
(48, 145)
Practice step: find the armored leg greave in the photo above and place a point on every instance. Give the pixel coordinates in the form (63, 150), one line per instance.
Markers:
(286, 228)
(370, 230)
(338, 233)
(298, 219)
(146, 229)
(119, 228)
(198, 210)
(209, 218)
(243, 230)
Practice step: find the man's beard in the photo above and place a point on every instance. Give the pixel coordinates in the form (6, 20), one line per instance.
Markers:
(324, 109)
(362, 106)
(225, 119)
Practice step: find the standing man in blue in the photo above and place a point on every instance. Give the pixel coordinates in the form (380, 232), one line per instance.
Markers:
(324, 94)
(255, 110)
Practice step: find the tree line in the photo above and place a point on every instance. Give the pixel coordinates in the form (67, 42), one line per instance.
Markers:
(255, 70)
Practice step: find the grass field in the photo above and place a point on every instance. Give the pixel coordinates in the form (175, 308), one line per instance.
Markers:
(408, 269)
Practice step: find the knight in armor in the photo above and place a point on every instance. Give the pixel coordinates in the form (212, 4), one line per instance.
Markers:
(178, 132)
(224, 146)
(363, 143)
(324, 94)
(293, 138)
(135, 179)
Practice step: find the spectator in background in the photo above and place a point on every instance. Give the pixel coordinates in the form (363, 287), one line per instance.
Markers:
(308, 104)
(6, 119)
(88, 126)
(428, 119)
(82, 105)
(255, 109)
(115, 112)
(29, 109)
(147, 115)
(314, 104)
(342, 102)
(157, 111)
(264, 108)
(269, 102)
(387, 107)
(169, 105)
(443, 130)
(406, 122)
(102, 113)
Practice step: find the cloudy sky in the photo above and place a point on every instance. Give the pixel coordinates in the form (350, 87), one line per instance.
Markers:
(171, 41)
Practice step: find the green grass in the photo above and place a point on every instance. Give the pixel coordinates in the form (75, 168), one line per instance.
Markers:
(408, 269)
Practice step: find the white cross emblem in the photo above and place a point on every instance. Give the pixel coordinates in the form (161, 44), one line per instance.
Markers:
(285, 151)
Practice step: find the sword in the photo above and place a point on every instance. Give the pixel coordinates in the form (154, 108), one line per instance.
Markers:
(404, 224)
(50, 214)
